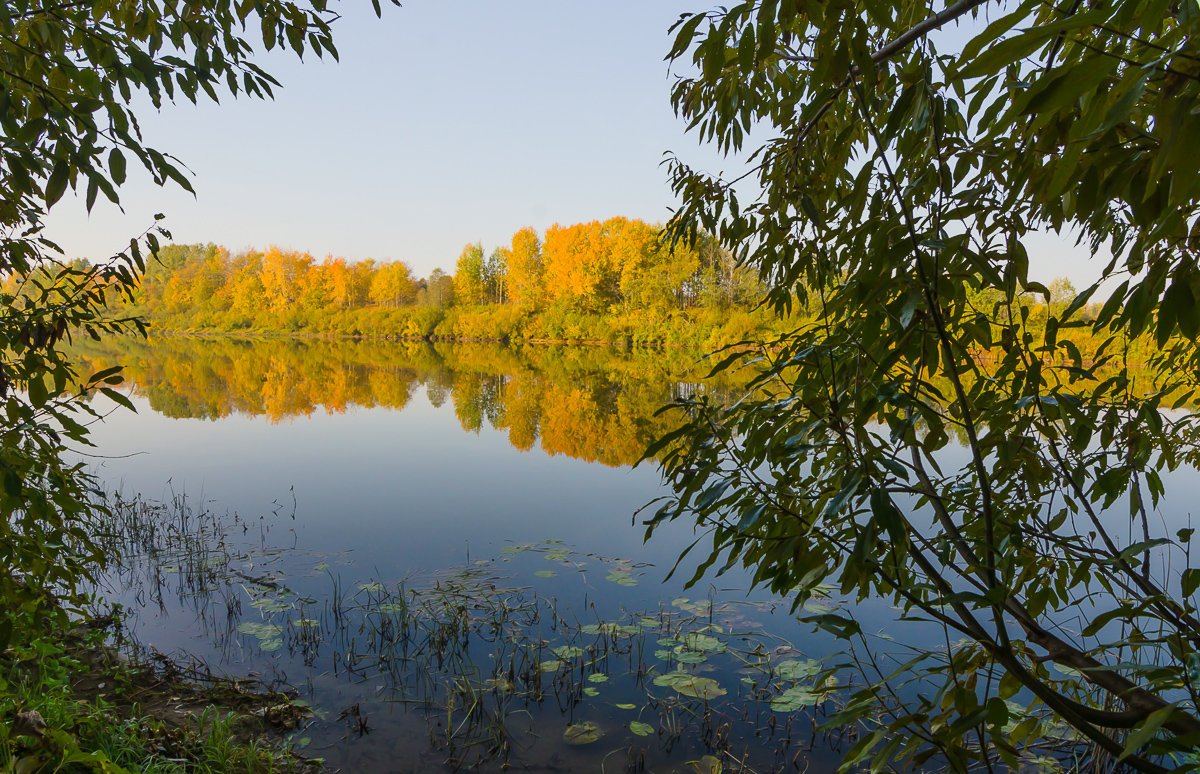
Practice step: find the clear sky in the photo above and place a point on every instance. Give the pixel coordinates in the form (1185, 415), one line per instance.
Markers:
(444, 123)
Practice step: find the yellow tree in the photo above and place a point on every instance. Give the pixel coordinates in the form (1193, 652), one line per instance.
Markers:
(525, 269)
(247, 296)
(575, 262)
(362, 273)
(280, 276)
(314, 287)
(338, 277)
(392, 284)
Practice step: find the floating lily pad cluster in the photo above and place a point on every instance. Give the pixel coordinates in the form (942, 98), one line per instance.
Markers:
(703, 688)
(267, 634)
(611, 629)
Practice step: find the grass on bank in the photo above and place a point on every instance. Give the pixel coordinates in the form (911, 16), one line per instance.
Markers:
(77, 708)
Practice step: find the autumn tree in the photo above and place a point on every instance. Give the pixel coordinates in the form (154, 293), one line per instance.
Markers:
(526, 284)
(912, 444)
(579, 264)
(470, 275)
(281, 273)
(653, 275)
(362, 274)
(392, 284)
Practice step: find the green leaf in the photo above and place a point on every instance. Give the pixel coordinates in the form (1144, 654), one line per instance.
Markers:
(1146, 731)
(37, 391)
(116, 166)
(57, 184)
(889, 517)
(117, 398)
(1190, 581)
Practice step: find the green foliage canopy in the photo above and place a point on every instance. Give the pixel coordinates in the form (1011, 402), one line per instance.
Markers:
(896, 185)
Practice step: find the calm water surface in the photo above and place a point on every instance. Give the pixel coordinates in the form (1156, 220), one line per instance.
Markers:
(436, 546)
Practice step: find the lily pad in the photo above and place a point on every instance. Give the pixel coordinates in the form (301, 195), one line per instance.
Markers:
(270, 605)
(709, 764)
(568, 651)
(551, 665)
(598, 677)
(797, 670)
(263, 631)
(545, 573)
(703, 688)
(706, 642)
(621, 578)
(625, 706)
(582, 733)
(796, 698)
(640, 728)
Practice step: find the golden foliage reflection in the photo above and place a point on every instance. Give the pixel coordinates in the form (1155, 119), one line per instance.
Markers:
(590, 403)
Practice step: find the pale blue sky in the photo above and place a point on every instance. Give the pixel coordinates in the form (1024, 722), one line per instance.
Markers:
(444, 123)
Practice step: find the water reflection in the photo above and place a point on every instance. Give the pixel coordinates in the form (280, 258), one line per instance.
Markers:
(590, 403)
(443, 600)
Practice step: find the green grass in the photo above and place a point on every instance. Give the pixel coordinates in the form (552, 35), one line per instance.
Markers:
(99, 734)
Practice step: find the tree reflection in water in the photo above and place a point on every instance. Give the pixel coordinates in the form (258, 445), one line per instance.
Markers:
(592, 403)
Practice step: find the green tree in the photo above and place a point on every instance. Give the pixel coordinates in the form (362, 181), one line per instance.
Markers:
(69, 75)
(470, 275)
(438, 291)
(897, 184)
(496, 275)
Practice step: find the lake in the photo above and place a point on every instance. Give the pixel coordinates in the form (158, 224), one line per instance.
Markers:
(436, 546)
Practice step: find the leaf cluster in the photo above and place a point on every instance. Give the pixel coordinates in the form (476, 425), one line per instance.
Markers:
(922, 439)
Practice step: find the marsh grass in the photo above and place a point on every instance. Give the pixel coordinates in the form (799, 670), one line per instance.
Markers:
(498, 671)
(493, 670)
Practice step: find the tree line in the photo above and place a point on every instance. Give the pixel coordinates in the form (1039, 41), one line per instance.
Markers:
(596, 267)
